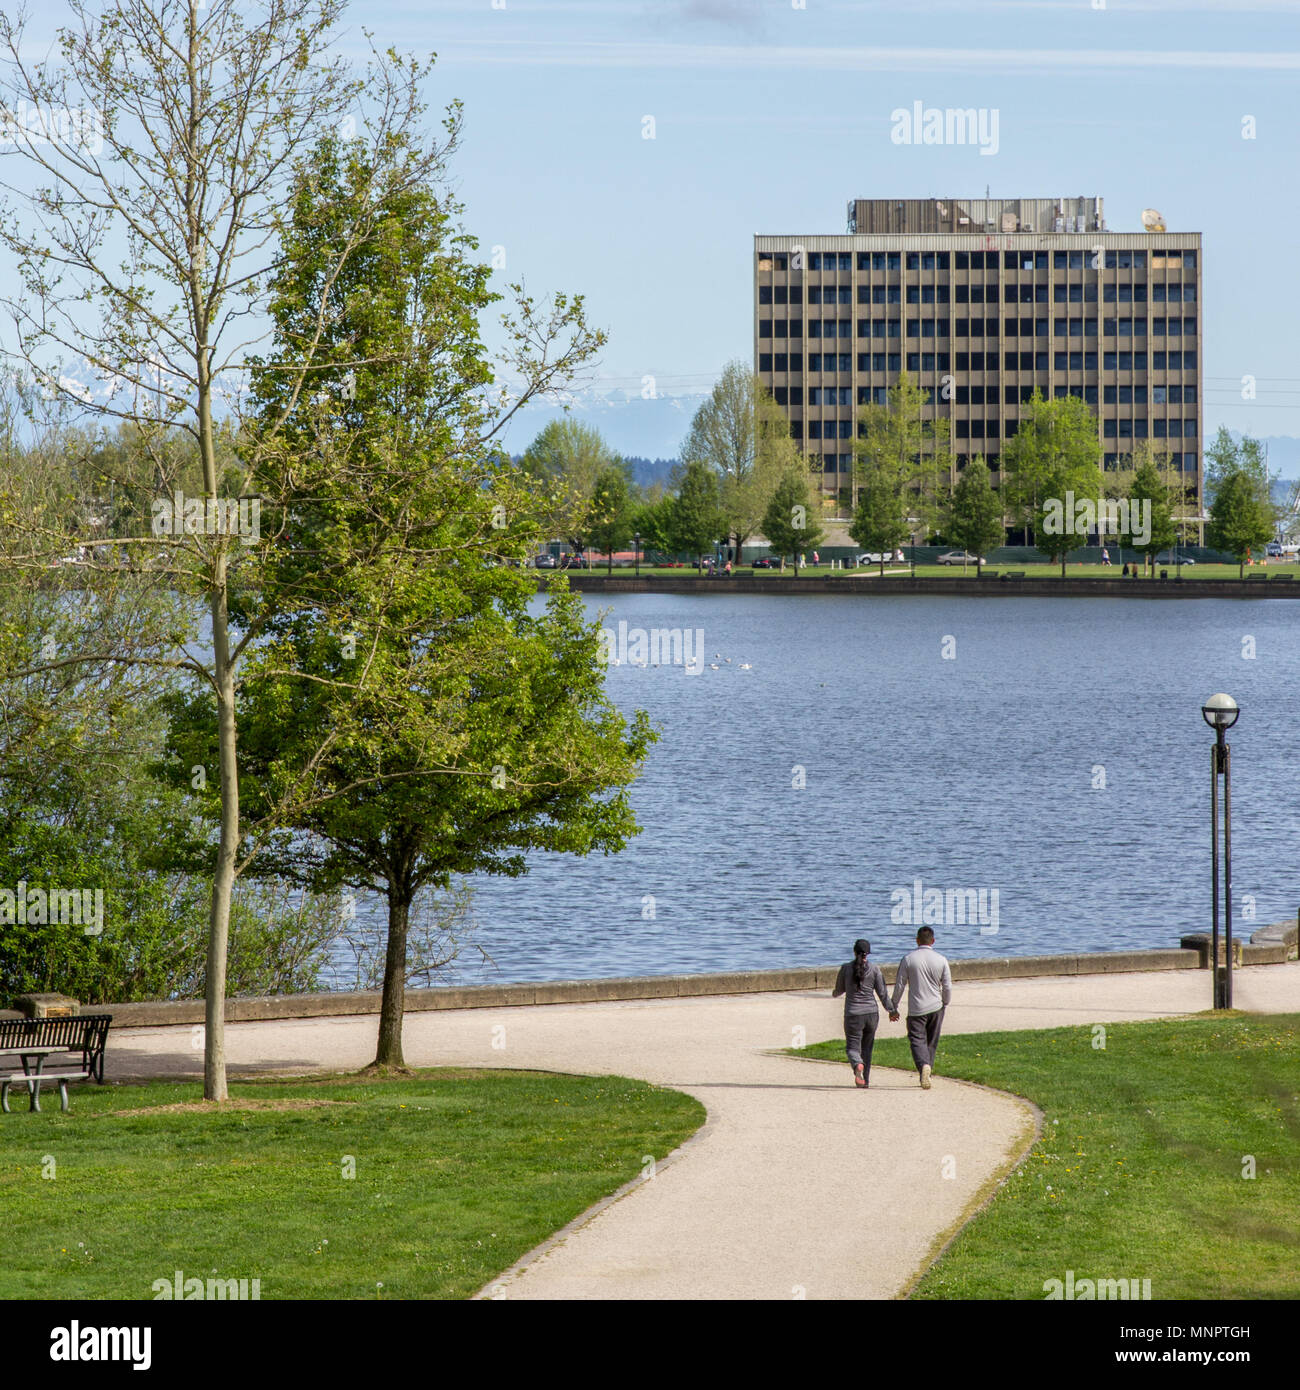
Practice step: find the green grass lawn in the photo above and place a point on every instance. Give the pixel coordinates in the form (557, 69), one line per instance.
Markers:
(1139, 1173)
(457, 1174)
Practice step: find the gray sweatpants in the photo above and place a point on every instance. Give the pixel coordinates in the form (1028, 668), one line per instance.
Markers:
(923, 1036)
(860, 1039)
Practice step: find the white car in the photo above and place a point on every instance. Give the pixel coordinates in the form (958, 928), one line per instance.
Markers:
(875, 557)
(957, 557)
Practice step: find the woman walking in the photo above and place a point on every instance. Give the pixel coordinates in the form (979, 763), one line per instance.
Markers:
(861, 983)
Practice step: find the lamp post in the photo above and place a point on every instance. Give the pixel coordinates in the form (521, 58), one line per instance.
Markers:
(1220, 713)
(636, 551)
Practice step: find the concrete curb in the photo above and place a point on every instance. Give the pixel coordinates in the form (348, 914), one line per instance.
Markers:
(1263, 587)
(171, 1013)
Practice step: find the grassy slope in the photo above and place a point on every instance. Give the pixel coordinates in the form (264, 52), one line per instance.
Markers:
(1140, 1170)
(458, 1174)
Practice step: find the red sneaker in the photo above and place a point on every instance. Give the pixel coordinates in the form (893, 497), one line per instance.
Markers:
(858, 1078)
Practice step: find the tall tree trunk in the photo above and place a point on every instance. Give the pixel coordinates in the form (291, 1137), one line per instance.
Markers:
(223, 881)
(389, 1051)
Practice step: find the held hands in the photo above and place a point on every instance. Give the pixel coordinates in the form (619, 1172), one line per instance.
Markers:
(893, 1018)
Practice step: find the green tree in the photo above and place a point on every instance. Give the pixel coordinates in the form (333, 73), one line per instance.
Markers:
(743, 435)
(613, 514)
(880, 521)
(164, 239)
(901, 454)
(653, 523)
(1242, 515)
(790, 523)
(463, 728)
(696, 521)
(564, 463)
(975, 514)
(1241, 519)
(1149, 493)
(1054, 453)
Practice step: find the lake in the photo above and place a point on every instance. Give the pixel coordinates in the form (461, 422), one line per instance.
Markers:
(1048, 754)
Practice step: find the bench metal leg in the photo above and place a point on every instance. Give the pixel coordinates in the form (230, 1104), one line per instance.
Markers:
(4, 1098)
(63, 1095)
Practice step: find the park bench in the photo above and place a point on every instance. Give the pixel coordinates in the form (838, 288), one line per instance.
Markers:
(1013, 574)
(77, 1044)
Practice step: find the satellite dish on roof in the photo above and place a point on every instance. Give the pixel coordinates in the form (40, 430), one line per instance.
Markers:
(1152, 220)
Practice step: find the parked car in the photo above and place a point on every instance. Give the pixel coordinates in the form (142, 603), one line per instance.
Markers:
(545, 562)
(574, 562)
(766, 562)
(957, 557)
(1173, 557)
(874, 557)
(1274, 550)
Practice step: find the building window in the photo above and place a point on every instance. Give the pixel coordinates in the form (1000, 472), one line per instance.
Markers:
(765, 294)
(765, 362)
(780, 361)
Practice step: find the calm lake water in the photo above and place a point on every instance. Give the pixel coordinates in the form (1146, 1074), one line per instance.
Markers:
(1057, 756)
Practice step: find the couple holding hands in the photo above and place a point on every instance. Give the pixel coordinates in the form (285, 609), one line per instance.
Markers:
(923, 974)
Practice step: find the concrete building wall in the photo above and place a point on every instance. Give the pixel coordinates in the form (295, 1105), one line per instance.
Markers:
(980, 321)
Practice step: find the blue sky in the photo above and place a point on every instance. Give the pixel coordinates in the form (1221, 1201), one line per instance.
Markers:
(769, 115)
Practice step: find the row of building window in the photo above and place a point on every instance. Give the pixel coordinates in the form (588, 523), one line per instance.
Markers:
(843, 463)
(1164, 258)
(988, 395)
(991, 429)
(769, 362)
(1160, 327)
(1161, 293)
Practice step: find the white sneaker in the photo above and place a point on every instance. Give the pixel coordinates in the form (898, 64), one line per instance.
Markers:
(925, 1077)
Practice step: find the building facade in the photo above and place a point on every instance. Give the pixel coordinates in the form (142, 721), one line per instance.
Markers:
(981, 302)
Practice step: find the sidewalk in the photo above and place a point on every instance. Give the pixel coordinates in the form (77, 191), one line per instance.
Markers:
(799, 1185)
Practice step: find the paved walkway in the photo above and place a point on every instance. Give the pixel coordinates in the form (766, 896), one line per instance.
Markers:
(800, 1185)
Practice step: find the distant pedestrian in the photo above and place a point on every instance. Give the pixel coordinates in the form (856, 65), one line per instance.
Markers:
(1124, 571)
(1105, 556)
(924, 974)
(816, 558)
(861, 983)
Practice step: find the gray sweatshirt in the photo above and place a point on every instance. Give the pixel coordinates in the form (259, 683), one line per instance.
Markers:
(928, 981)
(859, 999)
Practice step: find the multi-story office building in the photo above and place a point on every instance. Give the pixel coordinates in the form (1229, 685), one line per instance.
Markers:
(982, 301)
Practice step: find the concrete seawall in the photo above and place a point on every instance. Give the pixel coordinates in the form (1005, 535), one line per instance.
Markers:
(969, 587)
(1278, 945)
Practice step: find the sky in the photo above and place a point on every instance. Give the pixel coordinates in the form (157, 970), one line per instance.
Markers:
(629, 150)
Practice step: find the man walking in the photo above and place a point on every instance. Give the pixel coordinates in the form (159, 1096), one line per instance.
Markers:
(925, 975)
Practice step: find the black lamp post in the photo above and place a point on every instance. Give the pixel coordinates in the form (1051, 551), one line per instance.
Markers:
(1220, 713)
(636, 551)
